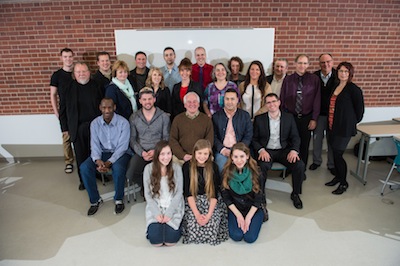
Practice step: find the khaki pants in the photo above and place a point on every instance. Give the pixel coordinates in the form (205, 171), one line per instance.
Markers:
(67, 147)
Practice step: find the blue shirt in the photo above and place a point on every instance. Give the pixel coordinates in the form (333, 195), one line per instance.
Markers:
(170, 79)
(112, 137)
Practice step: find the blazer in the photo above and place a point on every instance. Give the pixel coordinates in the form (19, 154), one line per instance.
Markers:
(177, 104)
(124, 106)
(289, 136)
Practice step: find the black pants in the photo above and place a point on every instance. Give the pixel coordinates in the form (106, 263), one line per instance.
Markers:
(305, 136)
(82, 145)
(280, 156)
(339, 145)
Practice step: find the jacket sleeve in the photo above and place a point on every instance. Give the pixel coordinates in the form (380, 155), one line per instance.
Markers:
(358, 102)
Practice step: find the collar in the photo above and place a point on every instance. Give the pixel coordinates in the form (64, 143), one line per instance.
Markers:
(278, 117)
(192, 116)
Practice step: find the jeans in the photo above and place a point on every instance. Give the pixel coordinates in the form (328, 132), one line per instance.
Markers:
(158, 233)
(220, 160)
(88, 172)
(252, 234)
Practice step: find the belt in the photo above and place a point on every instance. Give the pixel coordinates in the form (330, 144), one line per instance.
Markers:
(299, 116)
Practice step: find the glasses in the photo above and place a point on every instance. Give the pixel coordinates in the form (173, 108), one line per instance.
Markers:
(343, 71)
(274, 101)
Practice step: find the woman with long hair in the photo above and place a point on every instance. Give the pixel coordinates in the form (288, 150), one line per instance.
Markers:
(242, 194)
(155, 80)
(205, 219)
(235, 65)
(163, 189)
(253, 89)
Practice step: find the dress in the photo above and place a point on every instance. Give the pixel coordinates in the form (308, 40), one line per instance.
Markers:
(216, 230)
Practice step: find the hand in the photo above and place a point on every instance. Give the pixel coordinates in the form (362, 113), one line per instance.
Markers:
(247, 222)
(225, 152)
(101, 166)
(241, 222)
(108, 164)
(166, 219)
(160, 218)
(312, 125)
(264, 156)
(147, 156)
(65, 133)
(187, 157)
(292, 156)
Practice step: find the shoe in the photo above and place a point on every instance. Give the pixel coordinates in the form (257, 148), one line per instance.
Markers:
(93, 209)
(333, 182)
(69, 168)
(314, 166)
(265, 211)
(81, 186)
(119, 207)
(341, 188)
(332, 170)
(296, 201)
(304, 177)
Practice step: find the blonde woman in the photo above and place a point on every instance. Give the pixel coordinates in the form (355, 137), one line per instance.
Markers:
(155, 80)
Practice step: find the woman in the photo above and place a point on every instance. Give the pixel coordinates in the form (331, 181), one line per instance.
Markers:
(155, 80)
(215, 91)
(183, 87)
(254, 89)
(346, 109)
(205, 219)
(242, 194)
(163, 188)
(235, 65)
(121, 90)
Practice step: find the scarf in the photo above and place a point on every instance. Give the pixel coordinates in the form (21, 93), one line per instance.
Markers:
(127, 90)
(241, 183)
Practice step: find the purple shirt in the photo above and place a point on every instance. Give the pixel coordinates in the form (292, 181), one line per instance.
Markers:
(215, 97)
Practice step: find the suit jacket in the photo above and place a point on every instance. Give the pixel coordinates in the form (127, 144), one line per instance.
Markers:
(289, 136)
(177, 104)
(327, 90)
(124, 106)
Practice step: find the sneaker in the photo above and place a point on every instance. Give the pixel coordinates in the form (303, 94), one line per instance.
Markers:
(119, 207)
(93, 209)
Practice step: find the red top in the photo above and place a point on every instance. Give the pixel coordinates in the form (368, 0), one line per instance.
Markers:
(183, 92)
(207, 74)
(331, 110)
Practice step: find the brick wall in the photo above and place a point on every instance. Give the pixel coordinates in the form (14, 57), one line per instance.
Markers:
(32, 33)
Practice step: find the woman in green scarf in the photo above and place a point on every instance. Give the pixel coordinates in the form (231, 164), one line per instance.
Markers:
(242, 194)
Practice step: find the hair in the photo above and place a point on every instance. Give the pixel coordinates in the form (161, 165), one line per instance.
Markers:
(191, 93)
(262, 81)
(272, 94)
(302, 55)
(319, 57)
(140, 52)
(81, 64)
(199, 47)
(349, 67)
(281, 59)
(169, 48)
(146, 90)
(208, 173)
(155, 177)
(237, 59)
(149, 81)
(214, 69)
(117, 65)
(107, 99)
(230, 167)
(67, 50)
(232, 90)
(185, 64)
(102, 53)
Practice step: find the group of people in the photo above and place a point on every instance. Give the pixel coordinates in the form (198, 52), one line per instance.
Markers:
(200, 141)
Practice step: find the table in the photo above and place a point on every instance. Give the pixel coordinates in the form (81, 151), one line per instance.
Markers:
(383, 129)
(397, 119)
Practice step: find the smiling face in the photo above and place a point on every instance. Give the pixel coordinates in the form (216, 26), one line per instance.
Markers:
(255, 72)
(235, 67)
(121, 74)
(104, 63)
(191, 104)
(301, 65)
(273, 104)
(67, 58)
(230, 101)
(156, 78)
(200, 55)
(202, 156)
(239, 158)
(343, 74)
(140, 61)
(147, 101)
(326, 64)
(220, 72)
(280, 68)
(107, 108)
(185, 74)
(165, 156)
(81, 73)
(169, 57)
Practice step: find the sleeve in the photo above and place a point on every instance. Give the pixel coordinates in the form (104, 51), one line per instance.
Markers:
(186, 179)
(95, 146)
(152, 205)
(63, 92)
(216, 179)
(294, 134)
(358, 103)
(226, 196)
(217, 142)
(134, 135)
(209, 131)
(256, 144)
(173, 140)
(123, 140)
(178, 194)
(166, 126)
(248, 130)
(317, 98)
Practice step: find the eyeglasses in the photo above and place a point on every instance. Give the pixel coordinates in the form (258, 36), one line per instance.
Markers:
(343, 71)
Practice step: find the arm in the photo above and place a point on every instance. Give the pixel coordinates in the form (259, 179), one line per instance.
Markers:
(178, 193)
(239, 217)
(358, 102)
(134, 135)
(95, 141)
(173, 140)
(248, 218)
(123, 141)
(151, 203)
(317, 100)
(166, 126)
(248, 129)
(53, 99)
(217, 118)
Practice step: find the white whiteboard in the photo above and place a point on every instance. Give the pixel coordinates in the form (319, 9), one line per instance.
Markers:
(220, 45)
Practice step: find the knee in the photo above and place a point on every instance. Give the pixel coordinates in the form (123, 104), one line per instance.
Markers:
(250, 238)
(236, 235)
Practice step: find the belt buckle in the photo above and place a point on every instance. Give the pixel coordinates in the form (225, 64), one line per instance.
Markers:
(299, 115)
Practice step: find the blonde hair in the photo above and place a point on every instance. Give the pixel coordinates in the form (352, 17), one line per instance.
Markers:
(149, 81)
(117, 65)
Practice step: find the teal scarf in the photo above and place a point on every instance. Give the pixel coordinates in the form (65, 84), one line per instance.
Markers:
(241, 183)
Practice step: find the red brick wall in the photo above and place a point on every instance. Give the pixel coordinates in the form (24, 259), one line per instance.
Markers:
(32, 33)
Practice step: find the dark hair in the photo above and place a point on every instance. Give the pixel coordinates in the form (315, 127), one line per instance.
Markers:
(272, 94)
(185, 64)
(232, 90)
(349, 67)
(302, 55)
(215, 68)
(237, 59)
(102, 53)
(67, 50)
(262, 81)
(140, 52)
(155, 177)
(169, 48)
(319, 57)
(146, 90)
(107, 99)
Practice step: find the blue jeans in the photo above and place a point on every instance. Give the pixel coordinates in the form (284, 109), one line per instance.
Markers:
(220, 160)
(158, 233)
(88, 172)
(252, 234)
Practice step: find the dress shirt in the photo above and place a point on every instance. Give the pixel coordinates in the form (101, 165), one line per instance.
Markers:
(230, 137)
(171, 76)
(325, 78)
(207, 70)
(274, 142)
(276, 85)
(112, 137)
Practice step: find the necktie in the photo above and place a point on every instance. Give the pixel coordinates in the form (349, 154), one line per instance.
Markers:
(299, 97)
(252, 101)
(201, 76)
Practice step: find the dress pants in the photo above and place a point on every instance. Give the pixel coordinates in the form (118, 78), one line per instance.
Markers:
(318, 138)
(82, 145)
(305, 136)
(136, 167)
(67, 148)
(339, 145)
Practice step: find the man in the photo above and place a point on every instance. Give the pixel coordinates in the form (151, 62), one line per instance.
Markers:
(201, 71)
(275, 139)
(231, 125)
(58, 84)
(103, 74)
(189, 127)
(149, 125)
(170, 70)
(301, 96)
(109, 141)
(138, 75)
(279, 74)
(328, 81)
(82, 106)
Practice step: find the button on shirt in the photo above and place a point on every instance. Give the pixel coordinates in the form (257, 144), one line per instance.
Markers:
(112, 137)
(326, 78)
(274, 142)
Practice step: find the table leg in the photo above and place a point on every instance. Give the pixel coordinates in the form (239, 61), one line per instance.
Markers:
(357, 174)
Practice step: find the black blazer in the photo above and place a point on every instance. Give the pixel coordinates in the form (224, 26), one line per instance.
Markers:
(124, 106)
(289, 136)
(177, 104)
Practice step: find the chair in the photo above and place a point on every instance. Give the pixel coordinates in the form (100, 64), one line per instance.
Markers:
(279, 167)
(396, 163)
(130, 188)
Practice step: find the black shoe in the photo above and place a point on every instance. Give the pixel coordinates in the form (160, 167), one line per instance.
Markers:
(265, 211)
(341, 188)
(119, 207)
(333, 182)
(296, 201)
(332, 170)
(314, 166)
(304, 177)
(81, 186)
(93, 209)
